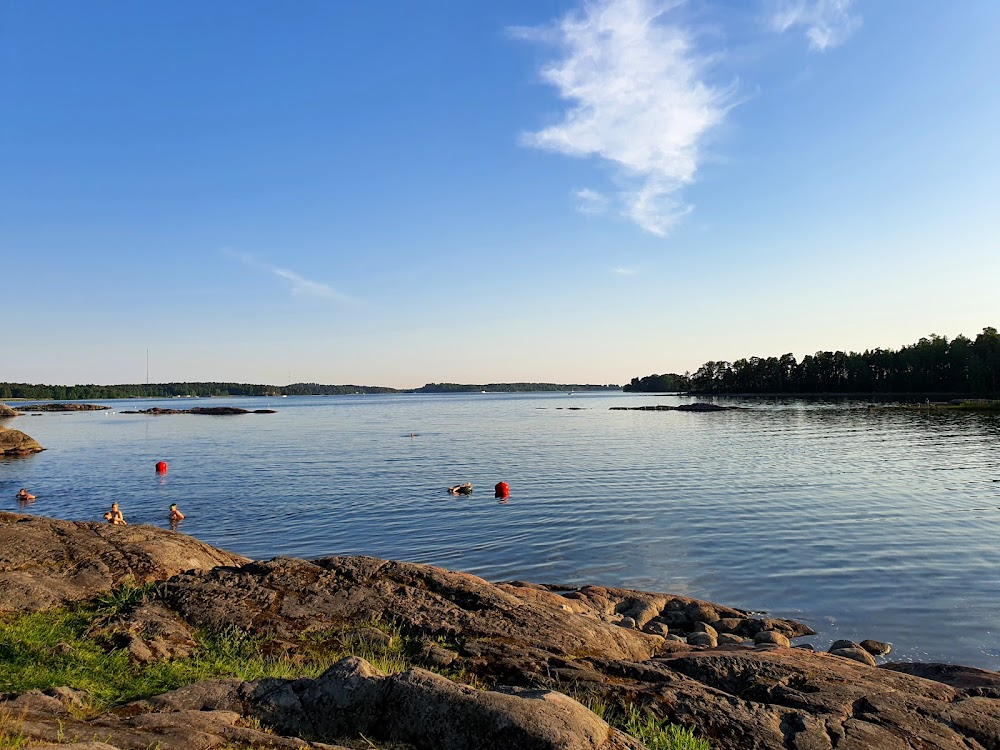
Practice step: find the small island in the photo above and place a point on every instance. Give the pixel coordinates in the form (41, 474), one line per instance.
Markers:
(214, 411)
(63, 407)
(697, 406)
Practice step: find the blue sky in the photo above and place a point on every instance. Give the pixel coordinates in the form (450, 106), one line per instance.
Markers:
(396, 193)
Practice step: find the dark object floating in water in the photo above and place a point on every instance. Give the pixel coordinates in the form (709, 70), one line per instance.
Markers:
(63, 407)
(210, 410)
(683, 407)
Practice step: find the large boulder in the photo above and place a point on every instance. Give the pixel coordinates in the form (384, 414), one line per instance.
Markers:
(16, 443)
(46, 562)
(430, 712)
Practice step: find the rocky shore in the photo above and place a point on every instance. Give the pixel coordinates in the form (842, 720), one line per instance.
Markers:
(489, 665)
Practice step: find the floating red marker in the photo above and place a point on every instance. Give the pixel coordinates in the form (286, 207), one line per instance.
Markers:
(502, 490)
(161, 467)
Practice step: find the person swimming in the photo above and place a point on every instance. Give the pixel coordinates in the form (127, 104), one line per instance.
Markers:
(175, 515)
(24, 495)
(461, 489)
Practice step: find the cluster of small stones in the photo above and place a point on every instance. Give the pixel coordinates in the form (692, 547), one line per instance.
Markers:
(713, 632)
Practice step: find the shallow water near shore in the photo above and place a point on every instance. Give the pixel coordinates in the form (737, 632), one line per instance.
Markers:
(863, 524)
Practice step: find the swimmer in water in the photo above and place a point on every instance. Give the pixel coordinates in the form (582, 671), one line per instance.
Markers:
(24, 495)
(175, 515)
(461, 489)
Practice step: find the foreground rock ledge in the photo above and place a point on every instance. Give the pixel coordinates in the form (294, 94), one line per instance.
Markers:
(527, 642)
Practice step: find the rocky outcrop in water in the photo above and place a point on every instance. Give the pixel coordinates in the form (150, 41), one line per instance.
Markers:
(64, 407)
(6, 411)
(209, 410)
(525, 642)
(682, 407)
(16, 443)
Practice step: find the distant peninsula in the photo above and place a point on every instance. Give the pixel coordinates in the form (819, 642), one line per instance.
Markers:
(933, 366)
(31, 392)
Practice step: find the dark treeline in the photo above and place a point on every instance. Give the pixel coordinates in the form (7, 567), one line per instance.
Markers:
(315, 389)
(961, 366)
(146, 390)
(508, 387)
(173, 390)
(659, 383)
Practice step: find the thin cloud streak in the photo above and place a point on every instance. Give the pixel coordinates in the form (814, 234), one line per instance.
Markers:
(299, 284)
(637, 99)
(828, 23)
(590, 201)
(624, 271)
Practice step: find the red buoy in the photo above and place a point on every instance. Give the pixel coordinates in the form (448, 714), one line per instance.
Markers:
(161, 467)
(502, 490)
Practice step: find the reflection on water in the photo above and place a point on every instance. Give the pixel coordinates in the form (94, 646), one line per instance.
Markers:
(865, 524)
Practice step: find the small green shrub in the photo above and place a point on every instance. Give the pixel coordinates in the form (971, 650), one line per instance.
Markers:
(658, 734)
(655, 734)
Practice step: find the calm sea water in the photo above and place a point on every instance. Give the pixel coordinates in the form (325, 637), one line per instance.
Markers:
(862, 524)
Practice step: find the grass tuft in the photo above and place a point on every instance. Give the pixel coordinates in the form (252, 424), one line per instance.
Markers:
(654, 733)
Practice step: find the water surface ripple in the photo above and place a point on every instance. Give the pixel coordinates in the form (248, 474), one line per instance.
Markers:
(864, 524)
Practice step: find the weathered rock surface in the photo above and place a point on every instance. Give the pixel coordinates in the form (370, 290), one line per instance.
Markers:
(288, 597)
(45, 562)
(16, 443)
(876, 648)
(430, 711)
(63, 407)
(534, 638)
(44, 717)
(6, 411)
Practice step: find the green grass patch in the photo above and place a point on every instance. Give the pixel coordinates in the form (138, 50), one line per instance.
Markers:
(654, 733)
(658, 734)
(39, 650)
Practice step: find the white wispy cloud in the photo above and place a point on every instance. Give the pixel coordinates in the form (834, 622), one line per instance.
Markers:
(590, 201)
(827, 23)
(638, 98)
(299, 285)
(624, 271)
